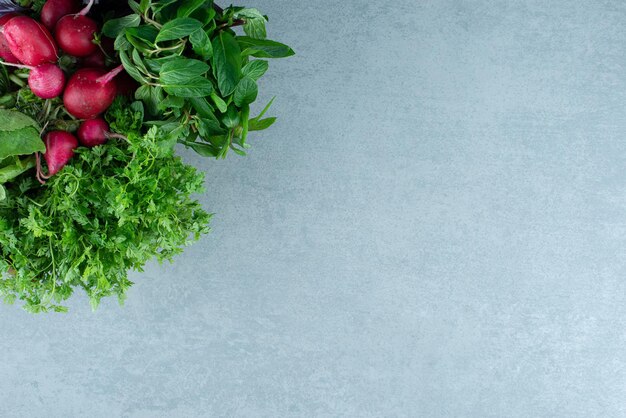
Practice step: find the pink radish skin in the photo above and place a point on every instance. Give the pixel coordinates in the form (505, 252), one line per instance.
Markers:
(75, 34)
(30, 41)
(60, 147)
(90, 91)
(54, 10)
(46, 81)
(5, 51)
(93, 132)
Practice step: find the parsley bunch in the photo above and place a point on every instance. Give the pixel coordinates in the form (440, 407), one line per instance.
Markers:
(111, 210)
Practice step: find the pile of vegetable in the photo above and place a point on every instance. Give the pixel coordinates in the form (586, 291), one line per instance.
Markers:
(104, 93)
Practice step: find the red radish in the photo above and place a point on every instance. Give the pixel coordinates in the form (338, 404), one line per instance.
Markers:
(93, 132)
(54, 10)
(75, 33)
(46, 81)
(60, 147)
(30, 41)
(90, 91)
(5, 52)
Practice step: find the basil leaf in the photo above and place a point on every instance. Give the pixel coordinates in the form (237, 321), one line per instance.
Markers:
(263, 48)
(114, 27)
(245, 92)
(201, 44)
(255, 69)
(178, 28)
(226, 62)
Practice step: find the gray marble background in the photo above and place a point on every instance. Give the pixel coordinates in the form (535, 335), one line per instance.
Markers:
(436, 227)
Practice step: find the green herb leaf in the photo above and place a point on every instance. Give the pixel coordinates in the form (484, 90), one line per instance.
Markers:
(178, 29)
(259, 125)
(188, 7)
(231, 118)
(112, 28)
(20, 142)
(11, 120)
(219, 102)
(255, 69)
(183, 77)
(254, 25)
(263, 48)
(226, 62)
(201, 44)
(245, 92)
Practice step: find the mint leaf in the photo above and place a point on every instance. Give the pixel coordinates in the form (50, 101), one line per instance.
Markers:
(178, 29)
(183, 77)
(245, 92)
(254, 25)
(259, 125)
(226, 62)
(263, 48)
(114, 27)
(188, 7)
(201, 44)
(255, 69)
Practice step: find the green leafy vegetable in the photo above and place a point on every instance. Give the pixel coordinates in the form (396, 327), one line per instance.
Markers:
(113, 209)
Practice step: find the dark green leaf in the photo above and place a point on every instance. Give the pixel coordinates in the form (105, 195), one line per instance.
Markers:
(183, 77)
(255, 69)
(114, 27)
(259, 125)
(206, 150)
(245, 92)
(188, 7)
(226, 62)
(263, 48)
(201, 44)
(254, 25)
(20, 142)
(178, 29)
(130, 68)
(231, 118)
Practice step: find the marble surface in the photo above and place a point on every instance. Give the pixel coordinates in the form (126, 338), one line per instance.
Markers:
(434, 228)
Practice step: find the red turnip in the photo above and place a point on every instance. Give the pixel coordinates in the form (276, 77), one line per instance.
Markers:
(90, 91)
(93, 132)
(54, 10)
(60, 147)
(75, 33)
(46, 81)
(5, 51)
(29, 41)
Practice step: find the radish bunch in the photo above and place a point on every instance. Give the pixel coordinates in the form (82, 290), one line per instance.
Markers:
(87, 93)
